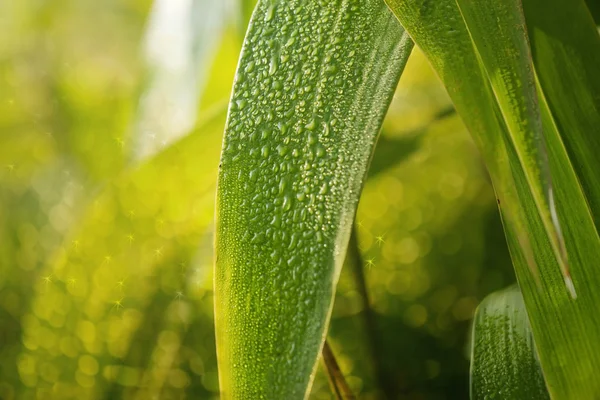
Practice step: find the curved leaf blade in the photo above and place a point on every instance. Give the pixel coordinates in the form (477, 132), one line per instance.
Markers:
(504, 363)
(566, 331)
(440, 32)
(566, 56)
(313, 84)
(503, 49)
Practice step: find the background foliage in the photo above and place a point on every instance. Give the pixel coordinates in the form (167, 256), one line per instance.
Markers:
(108, 162)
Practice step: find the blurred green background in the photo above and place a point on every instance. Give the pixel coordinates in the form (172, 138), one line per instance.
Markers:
(111, 120)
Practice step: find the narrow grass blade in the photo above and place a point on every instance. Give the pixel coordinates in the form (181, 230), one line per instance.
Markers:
(504, 363)
(503, 50)
(336, 378)
(313, 85)
(566, 329)
(567, 58)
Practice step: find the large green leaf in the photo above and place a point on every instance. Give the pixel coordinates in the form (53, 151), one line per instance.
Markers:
(504, 363)
(313, 84)
(565, 329)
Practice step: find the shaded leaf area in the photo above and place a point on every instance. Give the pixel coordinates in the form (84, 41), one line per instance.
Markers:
(312, 88)
(570, 133)
(391, 151)
(504, 363)
(594, 8)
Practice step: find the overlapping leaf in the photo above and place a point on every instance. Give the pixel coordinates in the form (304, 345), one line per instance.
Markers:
(489, 82)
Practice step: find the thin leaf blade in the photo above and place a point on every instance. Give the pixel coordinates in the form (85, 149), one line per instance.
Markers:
(503, 49)
(566, 330)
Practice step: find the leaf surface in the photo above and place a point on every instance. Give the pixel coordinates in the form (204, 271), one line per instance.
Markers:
(504, 363)
(313, 85)
(564, 48)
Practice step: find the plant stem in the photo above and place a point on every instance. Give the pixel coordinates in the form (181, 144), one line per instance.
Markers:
(356, 262)
(336, 379)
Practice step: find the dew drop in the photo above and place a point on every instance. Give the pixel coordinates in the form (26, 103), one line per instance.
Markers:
(265, 151)
(324, 188)
(273, 66)
(276, 221)
(319, 237)
(287, 203)
(258, 238)
(293, 241)
(320, 152)
(290, 42)
(282, 185)
(253, 175)
(270, 13)
(282, 150)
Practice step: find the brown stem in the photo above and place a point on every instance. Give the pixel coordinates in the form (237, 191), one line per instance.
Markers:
(336, 379)
(356, 263)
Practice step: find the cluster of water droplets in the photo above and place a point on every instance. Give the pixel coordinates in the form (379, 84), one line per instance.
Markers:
(293, 162)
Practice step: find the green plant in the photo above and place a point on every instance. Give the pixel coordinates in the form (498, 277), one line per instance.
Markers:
(108, 176)
(282, 231)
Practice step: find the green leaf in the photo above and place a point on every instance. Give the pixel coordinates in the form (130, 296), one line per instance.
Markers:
(313, 85)
(564, 60)
(567, 72)
(594, 7)
(439, 30)
(503, 50)
(504, 363)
